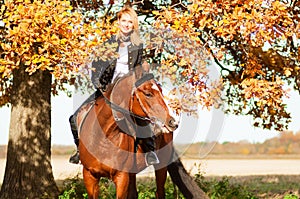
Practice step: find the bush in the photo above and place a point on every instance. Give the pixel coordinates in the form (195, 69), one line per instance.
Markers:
(291, 196)
(214, 187)
(147, 187)
(73, 188)
(222, 189)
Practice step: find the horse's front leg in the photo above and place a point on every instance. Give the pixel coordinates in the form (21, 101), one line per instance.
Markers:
(132, 190)
(121, 181)
(161, 176)
(91, 184)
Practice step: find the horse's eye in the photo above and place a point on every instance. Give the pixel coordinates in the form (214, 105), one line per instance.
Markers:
(148, 94)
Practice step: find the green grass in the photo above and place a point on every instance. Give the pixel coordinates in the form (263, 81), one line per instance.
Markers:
(271, 186)
(217, 187)
(249, 187)
(146, 189)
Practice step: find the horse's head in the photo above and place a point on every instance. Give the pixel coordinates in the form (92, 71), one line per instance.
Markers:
(144, 100)
(148, 102)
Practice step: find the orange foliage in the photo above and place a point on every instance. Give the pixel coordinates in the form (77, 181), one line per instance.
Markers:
(256, 45)
(48, 35)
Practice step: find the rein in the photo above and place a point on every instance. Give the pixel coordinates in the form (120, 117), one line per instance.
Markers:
(122, 110)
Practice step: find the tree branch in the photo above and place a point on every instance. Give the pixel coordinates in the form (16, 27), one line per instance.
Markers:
(215, 59)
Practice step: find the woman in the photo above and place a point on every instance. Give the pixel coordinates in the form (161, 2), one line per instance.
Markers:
(130, 51)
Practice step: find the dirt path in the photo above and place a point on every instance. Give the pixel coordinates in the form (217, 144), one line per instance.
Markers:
(231, 167)
(244, 167)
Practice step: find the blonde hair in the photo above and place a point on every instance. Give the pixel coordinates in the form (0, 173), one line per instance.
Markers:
(135, 35)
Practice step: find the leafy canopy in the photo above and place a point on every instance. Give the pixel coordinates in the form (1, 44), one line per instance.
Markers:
(48, 35)
(256, 45)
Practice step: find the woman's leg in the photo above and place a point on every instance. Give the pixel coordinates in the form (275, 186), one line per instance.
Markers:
(146, 139)
(148, 147)
(75, 157)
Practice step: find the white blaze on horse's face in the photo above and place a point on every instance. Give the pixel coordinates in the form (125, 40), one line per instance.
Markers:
(155, 87)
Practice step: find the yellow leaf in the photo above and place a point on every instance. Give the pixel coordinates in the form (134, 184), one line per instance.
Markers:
(2, 8)
(2, 69)
(63, 41)
(177, 24)
(155, 12)
(287, 72)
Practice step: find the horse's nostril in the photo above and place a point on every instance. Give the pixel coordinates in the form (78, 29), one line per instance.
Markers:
(173, 123)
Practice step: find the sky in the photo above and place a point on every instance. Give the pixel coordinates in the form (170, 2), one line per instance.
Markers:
(213, 125)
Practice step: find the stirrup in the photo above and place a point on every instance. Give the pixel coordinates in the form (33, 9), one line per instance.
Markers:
(151, 158)
(74, 159)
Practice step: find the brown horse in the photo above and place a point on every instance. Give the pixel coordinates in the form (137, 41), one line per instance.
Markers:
(108, 130)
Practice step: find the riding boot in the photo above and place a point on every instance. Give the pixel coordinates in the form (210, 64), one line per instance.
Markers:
(75, 157)
(147, 145)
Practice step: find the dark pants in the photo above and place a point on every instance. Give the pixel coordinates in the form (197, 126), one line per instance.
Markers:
(145, 138)
(72, 119)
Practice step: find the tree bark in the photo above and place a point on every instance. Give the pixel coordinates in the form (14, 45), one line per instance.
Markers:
(28, 172)
(186, 184)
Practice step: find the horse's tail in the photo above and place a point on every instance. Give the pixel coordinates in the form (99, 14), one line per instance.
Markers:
(186, 184)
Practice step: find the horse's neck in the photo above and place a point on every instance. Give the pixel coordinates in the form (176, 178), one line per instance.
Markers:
(105, 116)
(119, 121)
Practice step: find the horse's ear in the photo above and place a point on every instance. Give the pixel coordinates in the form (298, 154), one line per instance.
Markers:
(139, 72)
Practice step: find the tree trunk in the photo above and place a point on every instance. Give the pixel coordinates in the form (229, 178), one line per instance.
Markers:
(28, 172)
(186, 184)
